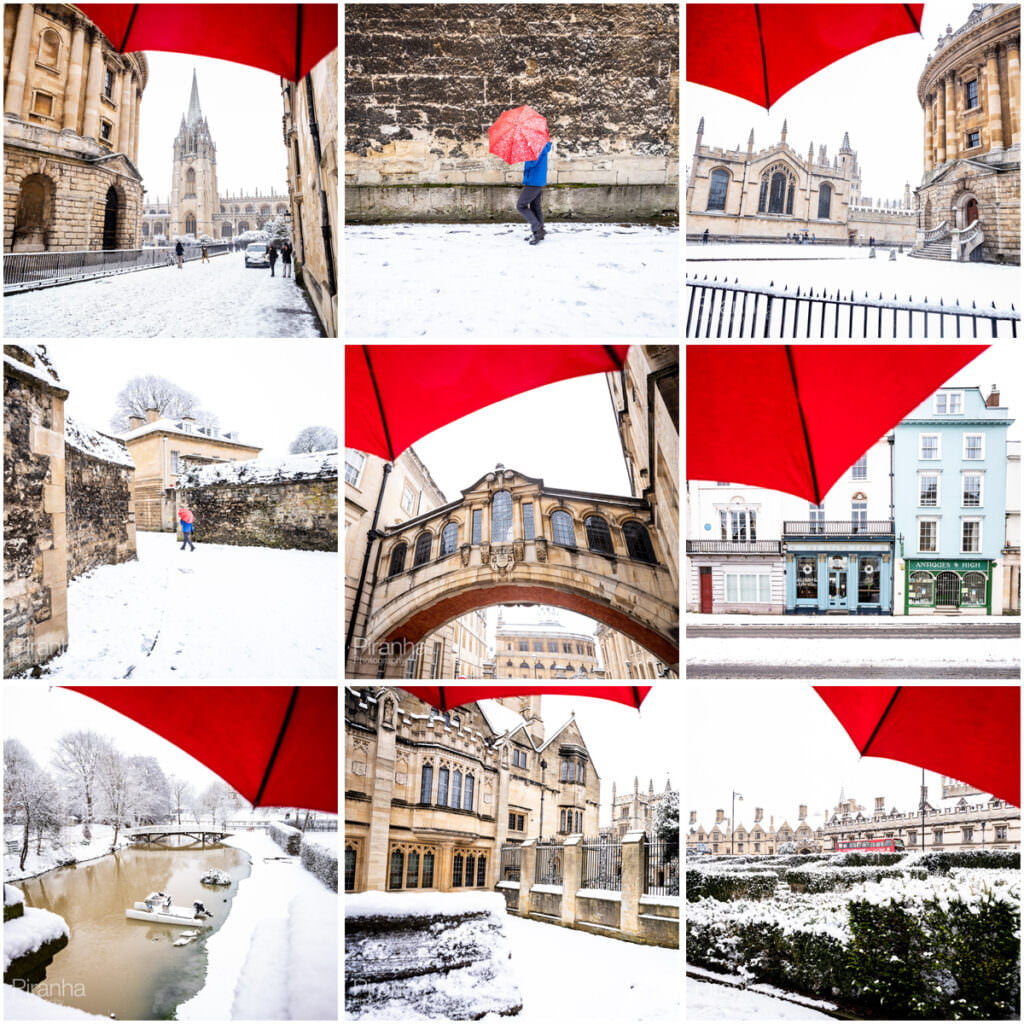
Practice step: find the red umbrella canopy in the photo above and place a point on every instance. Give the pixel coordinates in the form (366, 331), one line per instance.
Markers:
(970, 733)
(518, 135)
(286, 39)
(445, 697)
(277, 745)
(395, 394)
(768, 415)
(760, 51)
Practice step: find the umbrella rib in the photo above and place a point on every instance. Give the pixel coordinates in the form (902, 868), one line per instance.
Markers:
(298, 40)
(613, 355)
(803, 424)
(128, 30)
(636, 696)
(913, 19)
(277, 745)
(380, 404)
(764, 57)
(881, 720)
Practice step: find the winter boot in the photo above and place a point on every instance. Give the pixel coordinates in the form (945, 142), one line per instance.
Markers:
(538, 236)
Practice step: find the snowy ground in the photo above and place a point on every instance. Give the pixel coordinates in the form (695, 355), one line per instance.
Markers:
(71, 844)
(219, 299)
(711, 1001)
(844, 269)
(276, 955)
(484, 281)
(219, 612)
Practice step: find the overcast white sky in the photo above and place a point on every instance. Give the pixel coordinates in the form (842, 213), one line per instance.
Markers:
(871, 94)
(266, 390)
(243, 108)
(39, 715)
(779, 745)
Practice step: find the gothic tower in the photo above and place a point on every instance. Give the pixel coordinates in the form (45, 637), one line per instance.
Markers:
(194, 176)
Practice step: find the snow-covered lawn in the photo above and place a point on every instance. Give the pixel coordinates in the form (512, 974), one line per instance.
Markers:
(70, 845)
(219, 612)
(219, 299)
(276, 955)
(484, 281)
(711, 1001)
(845, 269)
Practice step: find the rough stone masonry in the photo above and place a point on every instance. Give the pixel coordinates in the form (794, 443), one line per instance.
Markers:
(424, 81)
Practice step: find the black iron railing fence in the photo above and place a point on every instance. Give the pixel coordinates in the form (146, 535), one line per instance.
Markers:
(733, 547)
(24, 271)
(720, 309)
(511, 861)
(838, 527)
(602, 865)
(548, 865)
(661, 868)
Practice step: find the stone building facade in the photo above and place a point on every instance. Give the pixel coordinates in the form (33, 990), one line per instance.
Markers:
(775, 193)
(635, 810)
(311, 138)
(431, 797)
(424, 82)
(759, 839)
(291, 503)
(543, 650)
(624, 658)
(969, 91)
(71, 130)
(161, 450)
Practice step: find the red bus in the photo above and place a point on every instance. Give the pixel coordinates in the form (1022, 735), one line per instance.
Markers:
(887, 844)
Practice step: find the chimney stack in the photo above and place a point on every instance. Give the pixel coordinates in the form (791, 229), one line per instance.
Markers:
(803, 811)
(719, 815)
(152, 415)
(993, 399)
(134, 422)
(758, 813)
(693, 817)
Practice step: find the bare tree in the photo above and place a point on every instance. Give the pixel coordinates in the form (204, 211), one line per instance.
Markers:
(181, 794)
(116, 777)
(169, 399)
(28, 791)
(314, 439)
(78, 755)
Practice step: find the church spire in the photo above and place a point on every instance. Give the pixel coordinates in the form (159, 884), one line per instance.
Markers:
(194, 113)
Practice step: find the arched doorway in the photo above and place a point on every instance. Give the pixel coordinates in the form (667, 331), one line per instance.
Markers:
(970, 212)
(110, 219)
(947, 589)
(965, 210)
(32, 221)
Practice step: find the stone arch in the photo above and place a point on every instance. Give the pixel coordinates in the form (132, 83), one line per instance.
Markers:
(113, 216)
(965, 210)
(48, 50)
(34, 216)
(719, 180)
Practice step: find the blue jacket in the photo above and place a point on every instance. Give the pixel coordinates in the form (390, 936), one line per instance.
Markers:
(535, 172)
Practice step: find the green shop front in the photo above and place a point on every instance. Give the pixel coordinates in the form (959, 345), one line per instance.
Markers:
(948, 584)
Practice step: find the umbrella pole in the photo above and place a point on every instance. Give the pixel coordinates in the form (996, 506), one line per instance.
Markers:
(370, 538)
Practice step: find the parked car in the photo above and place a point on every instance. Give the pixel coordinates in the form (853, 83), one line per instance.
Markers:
(256, 255)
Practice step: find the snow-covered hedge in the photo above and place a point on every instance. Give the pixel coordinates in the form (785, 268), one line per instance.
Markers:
(730, 885)
(826, 878)
(941, 862)
(287, 837)
(321, 858)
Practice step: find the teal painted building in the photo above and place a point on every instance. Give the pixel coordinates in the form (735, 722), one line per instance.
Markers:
(950, 463)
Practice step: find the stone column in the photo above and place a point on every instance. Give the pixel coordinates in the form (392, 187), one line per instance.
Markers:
(380, 811)
(633, 851)
(952, 139)
(73, 89)
(1013, 77)
(572, 873)
(995, 106)
(125, 123)
(94, 83)
(940, 124)
(929, 146)
(518, 528)
(136, 100)
(527, 873)
(14, 98)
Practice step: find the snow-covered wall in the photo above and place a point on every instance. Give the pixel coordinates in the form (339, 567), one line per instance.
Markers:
(278, 503)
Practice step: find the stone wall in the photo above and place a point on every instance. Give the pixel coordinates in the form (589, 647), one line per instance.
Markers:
(35, 541)
(424, 82)
(100, 510)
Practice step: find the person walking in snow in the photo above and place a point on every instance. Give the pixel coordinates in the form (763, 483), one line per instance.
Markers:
(187, 527)
(179, 251)
(206, 255)
(528, 205)
(272, 256)
(286, 259)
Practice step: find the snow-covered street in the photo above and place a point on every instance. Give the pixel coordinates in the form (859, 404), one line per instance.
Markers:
(218, 613)
(219, 299)
(484, 281)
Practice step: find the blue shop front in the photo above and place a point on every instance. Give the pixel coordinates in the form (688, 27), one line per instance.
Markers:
(839, 568)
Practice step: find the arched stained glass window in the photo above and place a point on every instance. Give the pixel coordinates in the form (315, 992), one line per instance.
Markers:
(397, 560)
(449, 538)
(599, 537)
(501, 518)
(423, 542)
(561, 529)
(718, 189)
(638, 542)
(824, 201)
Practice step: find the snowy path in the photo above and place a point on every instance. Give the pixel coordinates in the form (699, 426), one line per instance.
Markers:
(708, 1001)
(483, 280)
(219, 612)
(219, 299)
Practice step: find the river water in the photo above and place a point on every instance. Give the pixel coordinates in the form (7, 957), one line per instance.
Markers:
(128, 969)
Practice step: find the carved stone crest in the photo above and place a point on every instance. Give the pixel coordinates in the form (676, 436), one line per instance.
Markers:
(465, 551)
(518, 550)
(542, 549)
(502, 559)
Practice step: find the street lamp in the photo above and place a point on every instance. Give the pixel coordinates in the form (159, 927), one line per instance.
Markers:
(732, 822)
(543, 766)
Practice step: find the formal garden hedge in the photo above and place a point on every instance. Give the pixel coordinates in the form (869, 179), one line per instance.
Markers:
(935, 938)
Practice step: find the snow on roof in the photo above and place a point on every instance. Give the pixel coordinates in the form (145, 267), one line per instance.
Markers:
(500, 718)
(38, 364)
(92, 442)
(307, 466)
(166, 426)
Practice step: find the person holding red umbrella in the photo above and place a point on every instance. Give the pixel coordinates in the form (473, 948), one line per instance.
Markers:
(528, 205)
(522, 134)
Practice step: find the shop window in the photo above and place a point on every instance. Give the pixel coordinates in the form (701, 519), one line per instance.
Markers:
(869, 580)
(922, 589)
(748, 587)
(807, 577)
(974, 590)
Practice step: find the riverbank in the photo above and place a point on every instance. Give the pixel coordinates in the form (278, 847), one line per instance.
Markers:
(276, 957)
(71, 848)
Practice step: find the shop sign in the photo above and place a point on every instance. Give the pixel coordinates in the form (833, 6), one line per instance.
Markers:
(952, 564)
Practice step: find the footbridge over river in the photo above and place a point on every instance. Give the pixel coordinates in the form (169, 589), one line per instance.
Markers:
(511, 539)
(160, 833)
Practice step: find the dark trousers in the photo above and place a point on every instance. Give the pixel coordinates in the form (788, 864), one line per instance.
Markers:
(187, 539)
(528, 206)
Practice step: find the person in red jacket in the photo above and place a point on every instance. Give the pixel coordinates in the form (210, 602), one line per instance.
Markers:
(187, 527)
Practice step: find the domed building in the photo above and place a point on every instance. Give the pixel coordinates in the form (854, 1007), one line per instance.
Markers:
(71, 133)
(969, 197)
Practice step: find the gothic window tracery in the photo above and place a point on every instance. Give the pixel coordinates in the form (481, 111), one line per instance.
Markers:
(778, 187)
(824, 201)
(718, 189)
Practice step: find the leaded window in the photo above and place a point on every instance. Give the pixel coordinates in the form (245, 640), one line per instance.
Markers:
(428, 870)
(477, 519)
(561, 529)
(599, 537)
(426, 783)
(638, 542)
(778, 187)
(442, 787)
(412, 870)
(824, 201)
(449, 539)
(501, 518)
(397, 560)
(397, 863)
(423, 542)
(719, 188)
(350, 868)
(457, 864)
(528, 528)
(481, 868)
(467, 794)
(456, 800)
